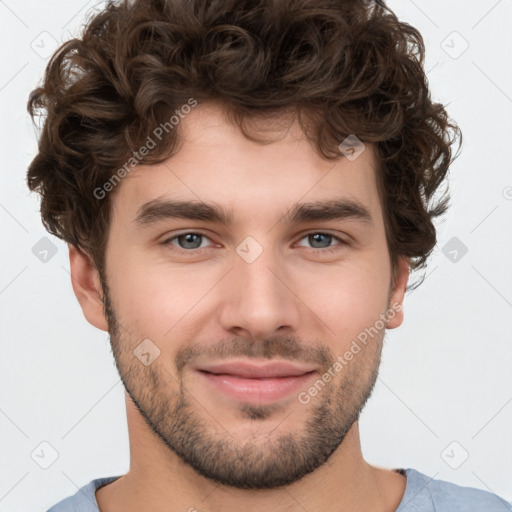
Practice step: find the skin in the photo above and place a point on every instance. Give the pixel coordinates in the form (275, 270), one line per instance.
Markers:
(291, 304)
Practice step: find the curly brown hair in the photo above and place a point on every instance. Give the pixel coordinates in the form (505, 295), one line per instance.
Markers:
(342, 66)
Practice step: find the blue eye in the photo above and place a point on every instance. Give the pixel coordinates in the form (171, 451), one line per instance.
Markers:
(188, 240)
(322, 239)
(192, 242)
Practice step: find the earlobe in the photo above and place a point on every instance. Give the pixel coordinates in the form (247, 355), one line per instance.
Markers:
(395, 315)
(87, 287)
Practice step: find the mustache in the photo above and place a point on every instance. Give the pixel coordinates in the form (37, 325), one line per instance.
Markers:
(277, 347)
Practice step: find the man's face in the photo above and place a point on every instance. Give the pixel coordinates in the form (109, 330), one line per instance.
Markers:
(260, 289)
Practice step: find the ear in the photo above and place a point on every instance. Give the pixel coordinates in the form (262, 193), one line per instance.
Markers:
(395, 315)
(87, 287)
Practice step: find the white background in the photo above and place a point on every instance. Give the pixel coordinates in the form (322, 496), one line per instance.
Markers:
(446, 373)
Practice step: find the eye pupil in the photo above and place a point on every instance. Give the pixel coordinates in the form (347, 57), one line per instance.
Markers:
(190, 238)
(315, 239)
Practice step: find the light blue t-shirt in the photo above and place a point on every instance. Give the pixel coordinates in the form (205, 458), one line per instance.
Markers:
(422, 494)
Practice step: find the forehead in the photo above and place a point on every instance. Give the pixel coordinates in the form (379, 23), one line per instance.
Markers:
(217, 163)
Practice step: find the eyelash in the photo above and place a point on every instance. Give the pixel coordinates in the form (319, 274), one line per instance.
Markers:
(200, 250)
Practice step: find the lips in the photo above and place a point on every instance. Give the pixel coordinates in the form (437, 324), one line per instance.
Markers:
(275, 369)
(256, 383)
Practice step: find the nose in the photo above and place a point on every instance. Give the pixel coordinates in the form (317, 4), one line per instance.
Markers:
(259, 298)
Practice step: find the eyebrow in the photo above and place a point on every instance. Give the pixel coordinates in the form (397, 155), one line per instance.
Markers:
(335, 209)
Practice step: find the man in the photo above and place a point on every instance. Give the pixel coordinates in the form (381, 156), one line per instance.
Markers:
(244, 188)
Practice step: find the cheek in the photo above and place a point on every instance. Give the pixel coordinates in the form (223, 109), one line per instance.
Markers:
(152, 298)
(347, 298)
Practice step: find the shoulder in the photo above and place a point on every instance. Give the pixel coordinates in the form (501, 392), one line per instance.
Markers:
(442, 496)
(84, 500)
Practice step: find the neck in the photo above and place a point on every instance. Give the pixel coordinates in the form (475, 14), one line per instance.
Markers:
(158, 480)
